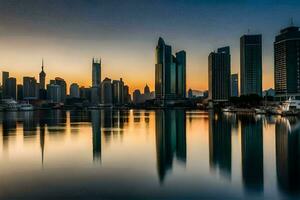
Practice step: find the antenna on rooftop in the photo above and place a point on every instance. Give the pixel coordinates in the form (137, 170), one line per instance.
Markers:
(292, 21)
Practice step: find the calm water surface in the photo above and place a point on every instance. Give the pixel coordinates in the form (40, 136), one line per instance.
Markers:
(136, 154)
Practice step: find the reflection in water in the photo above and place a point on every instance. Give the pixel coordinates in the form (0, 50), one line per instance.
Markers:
(170, 132)
(126, 138)
(220, 143)
(96, 135)
(288, 154)
(252, 153)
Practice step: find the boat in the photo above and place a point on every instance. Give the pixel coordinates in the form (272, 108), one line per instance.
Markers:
(9, 105)
(26, 107)
(260, 111)
(290, 107)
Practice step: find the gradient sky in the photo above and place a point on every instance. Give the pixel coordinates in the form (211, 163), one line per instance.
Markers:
(124, 33)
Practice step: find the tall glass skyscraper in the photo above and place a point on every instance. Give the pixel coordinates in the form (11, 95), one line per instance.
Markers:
(287, 63)
(96, 73)
(170, 73)
(251, 64)
(219, 74)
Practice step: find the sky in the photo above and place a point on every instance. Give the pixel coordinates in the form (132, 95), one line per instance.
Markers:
(67, 34)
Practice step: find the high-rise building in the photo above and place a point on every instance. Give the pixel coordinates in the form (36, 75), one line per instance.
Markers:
(118, 91)
(74, 90)
(234, 85)
(287, 63)
(127, 98)
(20, 92)
(219, 74)
(106, 92)
(10, 88)
(169, 73)
(5, 76)
(251, 64)
(54, 93)
(62, 83)
(181, 74)
(137, 97)
(30, 88)
(42, 77)
(96, 73)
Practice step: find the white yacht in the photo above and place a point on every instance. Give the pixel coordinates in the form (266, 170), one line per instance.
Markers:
(290, 105)
(9, 105)
(26, 107)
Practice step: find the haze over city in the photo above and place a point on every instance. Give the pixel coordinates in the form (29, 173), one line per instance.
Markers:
(68, 34)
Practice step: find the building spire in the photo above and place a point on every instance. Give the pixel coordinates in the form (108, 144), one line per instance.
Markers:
(42, 64)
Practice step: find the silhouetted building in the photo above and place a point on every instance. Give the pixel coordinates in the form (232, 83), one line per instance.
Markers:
(127, 97)
(74, 90)
(42, 77)
(106, 92)
(54, 93)
(234, 85)
(10, 88)
(96, 73)
(251, 64)
(20, 92)
(287, 65)
(118, 92)
(63, 85)
(30, 88)
(85, 93)
(219, 74)
(5, 76)
(170, 81)
(137, 97)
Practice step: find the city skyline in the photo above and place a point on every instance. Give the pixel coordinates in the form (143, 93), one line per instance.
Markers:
(28, 35)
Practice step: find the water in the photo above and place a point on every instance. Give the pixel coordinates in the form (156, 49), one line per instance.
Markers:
(136, 154)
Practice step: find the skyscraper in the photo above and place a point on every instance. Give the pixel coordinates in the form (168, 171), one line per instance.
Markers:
(62, 83)
(287, 63)
(5, 76)
(106, 92)
(96, 73)
(169, 73)
(54, 93)
(30, 88)
(11, 88)
(42, 77)
(118, 91)
(219, 74)
(251, 64)
(20, 92)
(234, 85)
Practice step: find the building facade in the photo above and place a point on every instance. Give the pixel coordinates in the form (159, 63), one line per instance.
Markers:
(219, 74)
(11, 88)
(287, 63)
(251, 64)
(74, 90)
(234, 84)
(30, 88)
(169, 73)
(106, 92)
(42, 77)
(5, 76)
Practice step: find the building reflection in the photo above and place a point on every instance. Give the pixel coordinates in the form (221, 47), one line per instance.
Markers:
(56, 121)
(170, 129)
(9, 127)
(29, 123)
(96, 128)
(252, 153)
(220, 143)
(288, 154)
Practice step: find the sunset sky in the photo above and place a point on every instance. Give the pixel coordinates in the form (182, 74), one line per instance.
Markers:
(124, 33)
